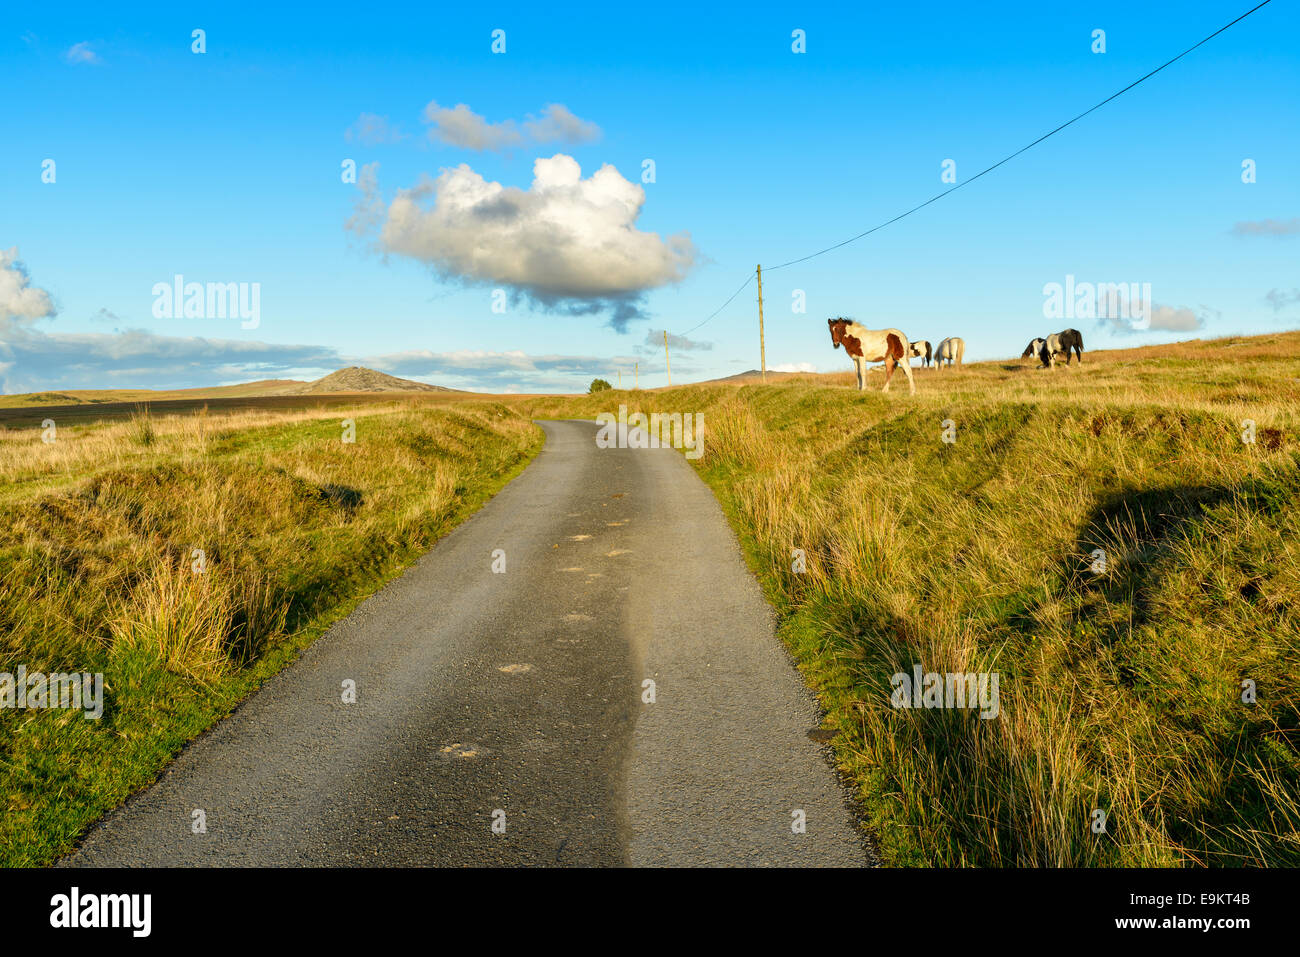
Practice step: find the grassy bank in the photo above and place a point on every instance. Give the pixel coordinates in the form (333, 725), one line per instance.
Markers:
(1119, 691)
(98, 539)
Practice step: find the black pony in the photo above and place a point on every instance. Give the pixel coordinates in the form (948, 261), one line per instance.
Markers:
(1068, 342)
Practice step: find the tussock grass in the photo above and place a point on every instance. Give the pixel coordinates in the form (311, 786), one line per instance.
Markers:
(1119, 691)
(99, 538)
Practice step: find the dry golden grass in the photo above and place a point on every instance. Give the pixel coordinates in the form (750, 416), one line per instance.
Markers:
(186, 558)
(1119, 692)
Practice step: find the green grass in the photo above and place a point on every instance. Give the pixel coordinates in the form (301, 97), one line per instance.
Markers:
(97, 539)
(1120, 691)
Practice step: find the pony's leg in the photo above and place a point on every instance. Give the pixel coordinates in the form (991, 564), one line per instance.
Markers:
(911, 385)
(862, 374)
(890, 364)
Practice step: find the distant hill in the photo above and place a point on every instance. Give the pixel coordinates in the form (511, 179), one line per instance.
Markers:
(359, 379)
(753, 375)
(354, 379)
(109, 396)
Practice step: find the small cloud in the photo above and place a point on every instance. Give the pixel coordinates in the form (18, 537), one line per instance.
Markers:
(1267, 227)
(509, 371)
(20, 301)
(371, 129)
(655, 337)
(461, 127)
(559, 125)
(1163, 319)
(81, 53)
(793, 367)
(105, 315)
(1279, 299)
(368, 210)
(1169, 319)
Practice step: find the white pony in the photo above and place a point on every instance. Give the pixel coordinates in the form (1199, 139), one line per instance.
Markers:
(872, 345)
(920, 349)
(952, 350)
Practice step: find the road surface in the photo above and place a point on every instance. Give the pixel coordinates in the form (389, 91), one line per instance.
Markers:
(500, 716)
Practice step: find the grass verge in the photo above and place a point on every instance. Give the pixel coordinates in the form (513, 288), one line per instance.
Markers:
(1120, 691)
(188, 559)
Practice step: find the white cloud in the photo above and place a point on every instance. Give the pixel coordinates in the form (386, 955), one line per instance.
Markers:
(33, 360)
(567, 243)
(1267, 227)
(373, 130)
(19, 299)
(1163, 319)
(1169, 319)
(655, 337)
(559, 125)
(1279, 299)
(462, 127)
(368, 211)
(512, 370)
(81, 53)
(794, 367)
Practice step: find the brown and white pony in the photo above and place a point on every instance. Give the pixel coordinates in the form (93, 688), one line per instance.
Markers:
(920, 350)
(951, 350)
(872, 345)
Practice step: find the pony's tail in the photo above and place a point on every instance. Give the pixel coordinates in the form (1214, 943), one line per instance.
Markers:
(927, 351)
(961, 350)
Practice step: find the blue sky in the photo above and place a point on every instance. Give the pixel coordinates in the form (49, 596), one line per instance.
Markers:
(226, 166)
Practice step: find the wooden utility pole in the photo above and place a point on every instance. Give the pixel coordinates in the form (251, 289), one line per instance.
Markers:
(666, 360)
(762, 345)
(636, 367)
(620, 378)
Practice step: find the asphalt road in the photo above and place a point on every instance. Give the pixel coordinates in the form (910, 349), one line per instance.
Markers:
(516, 698)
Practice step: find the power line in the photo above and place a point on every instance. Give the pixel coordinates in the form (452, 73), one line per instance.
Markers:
(1023, 148)
(1000, 162)
(723, 306)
